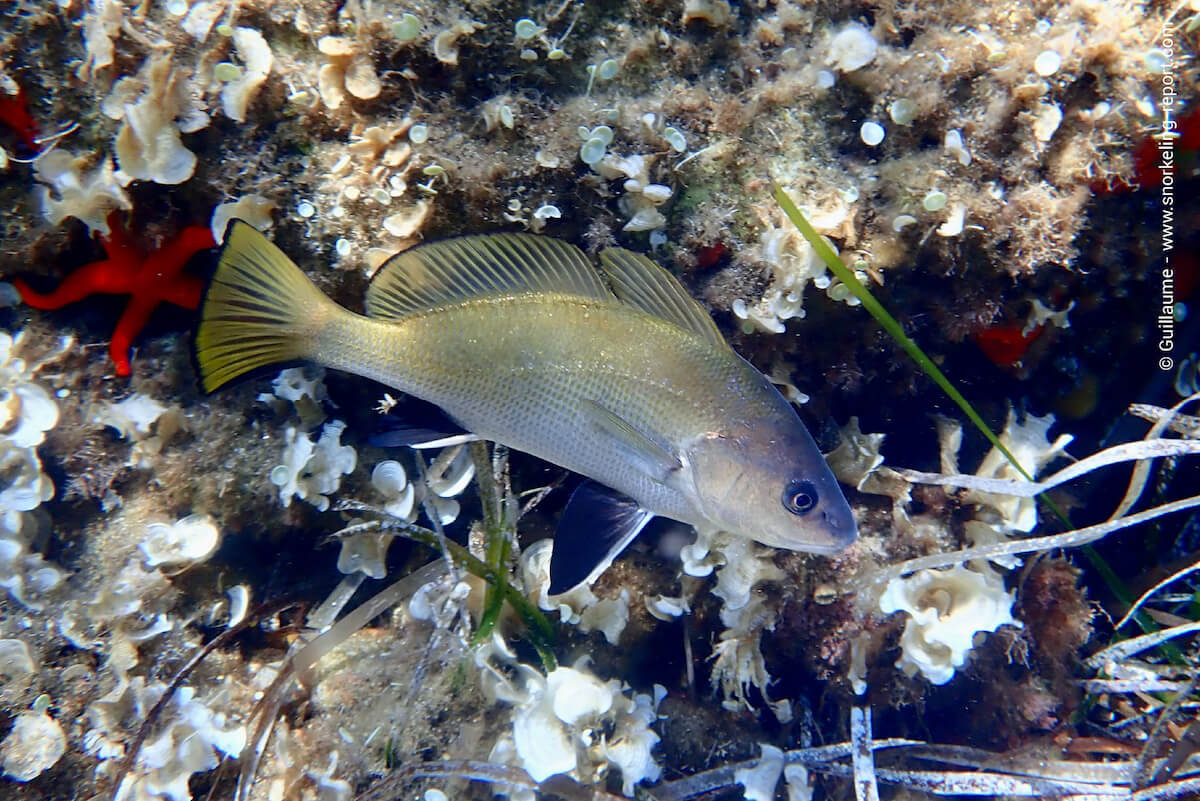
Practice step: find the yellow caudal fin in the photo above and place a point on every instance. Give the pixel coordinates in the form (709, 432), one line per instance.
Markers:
(259, 309)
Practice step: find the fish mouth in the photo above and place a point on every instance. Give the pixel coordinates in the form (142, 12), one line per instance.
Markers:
(826, 550)
(842, 527)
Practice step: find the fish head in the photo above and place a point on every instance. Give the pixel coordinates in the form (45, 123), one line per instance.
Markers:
(770, 483)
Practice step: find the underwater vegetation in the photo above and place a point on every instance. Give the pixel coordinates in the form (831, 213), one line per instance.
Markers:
(262, 593)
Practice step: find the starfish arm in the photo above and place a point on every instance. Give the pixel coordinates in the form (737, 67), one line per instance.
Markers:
(167, 262)
(105, 277)
(132, 321)
(118, 245)
(160, 278)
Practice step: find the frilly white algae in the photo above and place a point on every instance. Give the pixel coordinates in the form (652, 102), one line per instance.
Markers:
(946, 610)
(33, 746)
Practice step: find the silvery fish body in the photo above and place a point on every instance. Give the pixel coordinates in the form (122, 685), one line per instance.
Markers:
(615, 374)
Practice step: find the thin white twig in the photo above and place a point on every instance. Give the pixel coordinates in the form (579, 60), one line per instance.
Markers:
(1125, 452)
(862, 756)
(1150, 592)
(1135, 645)
(1069, 539)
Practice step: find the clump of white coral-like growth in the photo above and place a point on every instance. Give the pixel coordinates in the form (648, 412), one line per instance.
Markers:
(1027, 441)
(738, 662)
(570, 721)
(852, 48)
(759, 781)
(374, 172)
(33, 745)
(16, 661)
(349, 71)
(858, 461)
(948, 610)
(147, 423)
(101, 24)
(367, 552)
(793, 265)
(253, 209)
(191, 740)
(580, 606)
(155, 108)
(27, 412)
(642, 198)
(295, 383)
(448, 476)
(997, 515)
(129, 608)
(304, 388)
(192, 539)
(66, 190)
(131, 605)
(313, 471)
(257, 59)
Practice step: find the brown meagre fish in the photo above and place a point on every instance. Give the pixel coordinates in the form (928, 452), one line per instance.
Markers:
(613, 372)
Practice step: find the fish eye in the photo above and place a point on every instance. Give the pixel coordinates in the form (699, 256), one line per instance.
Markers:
(799, 497)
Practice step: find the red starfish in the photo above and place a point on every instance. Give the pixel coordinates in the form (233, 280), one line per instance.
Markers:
(1006, 344)
(147, 279)
(14, 113)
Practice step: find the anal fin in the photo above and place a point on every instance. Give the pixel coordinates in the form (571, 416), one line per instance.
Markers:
(596, 526)
(419, 438)
(420, 425)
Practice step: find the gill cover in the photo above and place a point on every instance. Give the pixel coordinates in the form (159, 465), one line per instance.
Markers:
(769, 482)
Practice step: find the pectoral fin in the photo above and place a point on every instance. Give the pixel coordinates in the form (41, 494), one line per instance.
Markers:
(596, 526)
(649, 455)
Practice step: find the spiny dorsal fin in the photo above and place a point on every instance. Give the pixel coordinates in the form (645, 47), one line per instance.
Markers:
(644, 285)
(453, 270)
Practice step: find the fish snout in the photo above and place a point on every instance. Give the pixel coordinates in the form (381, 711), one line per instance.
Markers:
(843, 530)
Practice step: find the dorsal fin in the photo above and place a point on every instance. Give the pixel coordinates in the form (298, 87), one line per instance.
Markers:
(453, 270)
(642, 284)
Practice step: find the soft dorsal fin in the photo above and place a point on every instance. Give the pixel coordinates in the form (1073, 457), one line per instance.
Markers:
(453, 270)
(642, 284)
